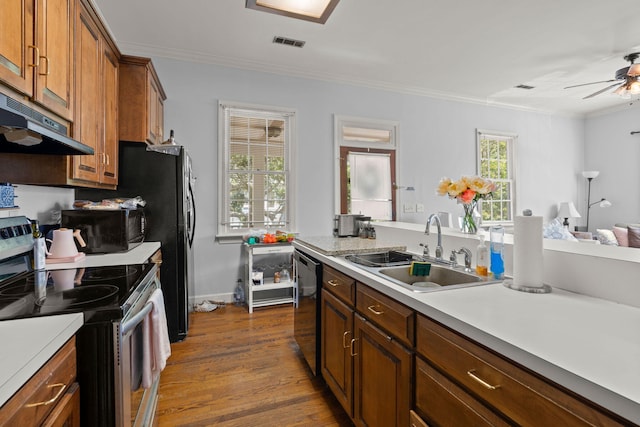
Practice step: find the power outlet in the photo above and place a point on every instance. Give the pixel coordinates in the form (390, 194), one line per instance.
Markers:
(409, 208)
(419, 207)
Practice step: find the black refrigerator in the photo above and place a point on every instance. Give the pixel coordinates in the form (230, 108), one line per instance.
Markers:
(164, 179)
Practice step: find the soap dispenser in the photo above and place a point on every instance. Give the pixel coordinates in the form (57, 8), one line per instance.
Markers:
(482, 257)
(497, 251)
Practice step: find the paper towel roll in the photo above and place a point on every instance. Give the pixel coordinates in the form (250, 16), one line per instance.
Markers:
(527, 251)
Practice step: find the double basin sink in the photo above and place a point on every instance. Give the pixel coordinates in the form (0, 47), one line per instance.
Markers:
(395, 267)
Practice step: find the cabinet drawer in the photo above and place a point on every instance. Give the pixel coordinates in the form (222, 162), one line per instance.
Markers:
(339, 284)
(520, 395)
(445, 404)
(40, 395)
(416, 421)
(390, 315)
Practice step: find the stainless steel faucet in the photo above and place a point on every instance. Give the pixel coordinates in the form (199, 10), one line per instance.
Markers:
(427, 232)
(467, 257)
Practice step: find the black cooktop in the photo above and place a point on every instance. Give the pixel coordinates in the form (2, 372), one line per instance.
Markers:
(99, 292)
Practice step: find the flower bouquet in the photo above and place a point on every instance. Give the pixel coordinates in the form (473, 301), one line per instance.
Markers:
(467, 191)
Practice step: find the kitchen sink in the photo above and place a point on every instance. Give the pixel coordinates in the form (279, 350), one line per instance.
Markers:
(439, 276)
(383, 259)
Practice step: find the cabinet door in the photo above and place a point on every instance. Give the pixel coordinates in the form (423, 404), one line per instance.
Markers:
(109, 158)
(17, 52)
(87, 126)
(382, 378)
(54, 38)
(336, 359)
(154, 118)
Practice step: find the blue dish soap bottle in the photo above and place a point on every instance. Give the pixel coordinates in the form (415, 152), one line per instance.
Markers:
(497, 252)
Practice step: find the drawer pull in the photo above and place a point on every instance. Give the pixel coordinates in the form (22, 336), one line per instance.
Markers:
(333, 283)
(372, 308)
(50, 401)
(485, 384)
(344, 337)
(353, 341)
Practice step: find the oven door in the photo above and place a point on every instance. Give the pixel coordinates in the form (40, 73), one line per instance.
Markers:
(135, 405)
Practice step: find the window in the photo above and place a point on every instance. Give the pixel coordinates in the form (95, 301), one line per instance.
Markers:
(495, 161)
(254, 156)
(366, 152)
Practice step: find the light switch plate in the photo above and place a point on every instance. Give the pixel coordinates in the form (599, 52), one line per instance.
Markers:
(419, 207)
(409, 208)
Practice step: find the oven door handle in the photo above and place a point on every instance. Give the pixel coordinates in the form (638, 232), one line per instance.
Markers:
(136, 319)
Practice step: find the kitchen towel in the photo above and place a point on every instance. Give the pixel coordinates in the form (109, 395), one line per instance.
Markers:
(157, 347)
(527, 251)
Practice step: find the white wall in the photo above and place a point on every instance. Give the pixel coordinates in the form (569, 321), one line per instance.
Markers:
(611, 149)
(437, 138)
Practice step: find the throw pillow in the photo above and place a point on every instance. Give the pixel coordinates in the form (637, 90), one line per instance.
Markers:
(607, 237)
(621, 235)
(634, 236)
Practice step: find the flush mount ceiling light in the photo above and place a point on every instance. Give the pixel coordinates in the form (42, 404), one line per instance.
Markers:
(309, 10)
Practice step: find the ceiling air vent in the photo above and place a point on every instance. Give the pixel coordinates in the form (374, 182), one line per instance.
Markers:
(288, 42)
(525, 87)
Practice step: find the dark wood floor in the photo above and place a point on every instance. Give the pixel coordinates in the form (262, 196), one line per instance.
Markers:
(241, 369)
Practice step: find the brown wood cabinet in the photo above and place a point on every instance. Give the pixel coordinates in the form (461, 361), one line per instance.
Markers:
(97, 106)
(95, 116)
(368, 370)
(512, 392)
(50, 398)
(336, 343)
(141, 97)
(36, 52)
(382, 377)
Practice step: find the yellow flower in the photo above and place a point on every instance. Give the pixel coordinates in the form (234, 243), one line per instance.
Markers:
(443, 186)
(457, 187)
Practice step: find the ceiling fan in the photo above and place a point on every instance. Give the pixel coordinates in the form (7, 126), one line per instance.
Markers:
(626, 79)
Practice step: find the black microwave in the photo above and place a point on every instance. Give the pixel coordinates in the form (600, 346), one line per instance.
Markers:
(106, 231)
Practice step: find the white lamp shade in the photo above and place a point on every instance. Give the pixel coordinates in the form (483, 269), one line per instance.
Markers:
(568, 210)
(590, 174)
(634, 70)
(605, 204)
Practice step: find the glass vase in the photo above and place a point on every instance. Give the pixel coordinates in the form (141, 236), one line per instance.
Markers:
(469, 225)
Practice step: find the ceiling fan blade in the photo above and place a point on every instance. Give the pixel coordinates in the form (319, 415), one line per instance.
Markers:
(602, 90)
(592, 83)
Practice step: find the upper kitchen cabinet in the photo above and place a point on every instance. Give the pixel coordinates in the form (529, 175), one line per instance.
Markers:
(36, 52)
(96, 104)
(95, 112)
(141, 115)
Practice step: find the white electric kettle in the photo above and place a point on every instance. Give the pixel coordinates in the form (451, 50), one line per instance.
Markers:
(62, 245)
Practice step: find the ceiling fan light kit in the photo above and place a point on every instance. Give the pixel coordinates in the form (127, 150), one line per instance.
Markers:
(628, 75)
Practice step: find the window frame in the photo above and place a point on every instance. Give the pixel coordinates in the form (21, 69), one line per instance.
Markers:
(512, 139)
(225, 110)
(391, 148)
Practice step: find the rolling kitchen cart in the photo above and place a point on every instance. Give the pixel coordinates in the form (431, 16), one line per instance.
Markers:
(264, 284)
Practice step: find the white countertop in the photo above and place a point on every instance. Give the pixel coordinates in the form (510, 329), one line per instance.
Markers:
(137, 255)
(28, 344)
(589, 345)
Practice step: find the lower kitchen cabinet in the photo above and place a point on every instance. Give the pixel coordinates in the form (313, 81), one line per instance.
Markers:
(368, 370)
(336, 344)
(50, 398)
(486, 380)
(382, 377)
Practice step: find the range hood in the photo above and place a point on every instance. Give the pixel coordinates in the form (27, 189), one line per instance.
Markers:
(25, 130)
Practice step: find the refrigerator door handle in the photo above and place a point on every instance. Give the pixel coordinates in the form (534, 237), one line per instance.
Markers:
(192, 216)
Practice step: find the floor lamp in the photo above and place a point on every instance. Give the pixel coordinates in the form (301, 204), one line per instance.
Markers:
(604, 203)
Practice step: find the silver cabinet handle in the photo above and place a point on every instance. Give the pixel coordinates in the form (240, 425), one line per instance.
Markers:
(344, 337)
(374, 309)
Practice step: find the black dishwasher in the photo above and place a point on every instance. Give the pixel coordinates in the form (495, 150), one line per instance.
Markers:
(306, 323)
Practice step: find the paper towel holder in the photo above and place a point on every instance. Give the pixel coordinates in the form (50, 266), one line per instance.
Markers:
(542, 289)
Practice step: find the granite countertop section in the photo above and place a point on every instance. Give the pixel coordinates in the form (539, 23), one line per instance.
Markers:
(138, 255)
(332, 246)
(28, 344)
